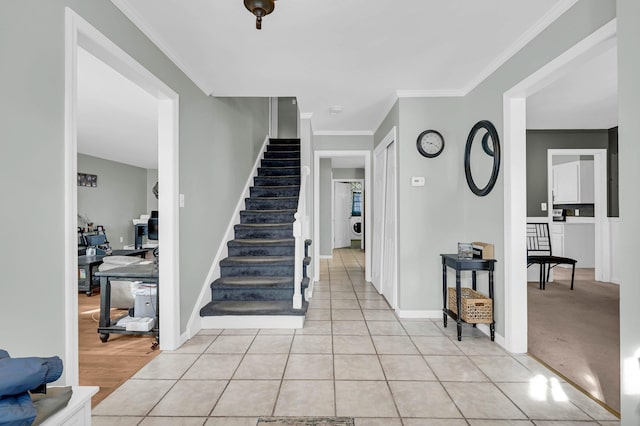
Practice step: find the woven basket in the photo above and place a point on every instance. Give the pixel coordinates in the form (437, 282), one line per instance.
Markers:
(476, 308)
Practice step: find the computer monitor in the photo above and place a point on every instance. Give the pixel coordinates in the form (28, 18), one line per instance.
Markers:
(152, 226)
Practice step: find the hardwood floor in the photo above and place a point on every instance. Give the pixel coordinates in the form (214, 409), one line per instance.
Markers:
(110, 364)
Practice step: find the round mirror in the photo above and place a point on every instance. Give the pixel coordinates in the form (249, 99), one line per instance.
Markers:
(482, 159)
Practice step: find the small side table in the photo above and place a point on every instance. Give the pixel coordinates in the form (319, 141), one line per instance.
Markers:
(473, 265)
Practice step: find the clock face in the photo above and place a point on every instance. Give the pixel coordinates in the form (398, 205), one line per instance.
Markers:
(430, 143)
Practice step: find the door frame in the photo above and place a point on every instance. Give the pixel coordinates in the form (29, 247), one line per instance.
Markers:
(80, 33)
(333, 207)
(602, 248)
(515, 175)
(390, 138)
(317, 155)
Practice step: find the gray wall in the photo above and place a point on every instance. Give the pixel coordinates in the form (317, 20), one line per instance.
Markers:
(629, 135)
(287, 118)
(219, 141)
(326, 245)
(538, 143)
(119, 197)
(348, 173)
(433, 218)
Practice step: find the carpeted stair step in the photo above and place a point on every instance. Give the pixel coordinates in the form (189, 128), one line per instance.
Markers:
(284, 141)
(280, 162)
(271, 203)
(275, 191)
(279, 171)
(261, 247)
(252, 288)
(267, 216)
(264, 230)
(282, 154)
(283, 147)
(276, 180)
(265, 307)
(257, 266)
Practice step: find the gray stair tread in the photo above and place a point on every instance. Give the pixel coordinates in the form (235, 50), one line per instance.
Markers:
(255, 211)
(244, 281)
(266, 225)
(239, 307)
(294, 197)
(257, 260)
(262, 241)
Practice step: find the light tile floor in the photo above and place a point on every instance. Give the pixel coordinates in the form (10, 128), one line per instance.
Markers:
(355, 358)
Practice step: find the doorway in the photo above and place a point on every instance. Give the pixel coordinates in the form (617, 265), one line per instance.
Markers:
(348, 213)
(80, 34)
(515, 200)
(323, 211)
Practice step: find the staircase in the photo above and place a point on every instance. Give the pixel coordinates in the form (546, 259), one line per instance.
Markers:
(256, 284)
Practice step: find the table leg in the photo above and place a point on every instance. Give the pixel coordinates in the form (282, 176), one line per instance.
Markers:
(105, 306)
(492, 326)
(444, 293)
(459, 306)
(473, 286)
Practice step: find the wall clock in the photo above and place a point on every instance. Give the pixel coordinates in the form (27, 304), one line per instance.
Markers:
(430, 143)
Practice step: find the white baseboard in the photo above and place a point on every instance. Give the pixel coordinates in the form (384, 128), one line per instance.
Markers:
(253, 321)
(326, 256)
(195, 322)
(499, 339)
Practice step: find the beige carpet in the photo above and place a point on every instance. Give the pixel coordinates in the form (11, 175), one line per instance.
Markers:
(577, 332)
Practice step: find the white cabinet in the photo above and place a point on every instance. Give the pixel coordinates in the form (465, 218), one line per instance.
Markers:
(573, 183)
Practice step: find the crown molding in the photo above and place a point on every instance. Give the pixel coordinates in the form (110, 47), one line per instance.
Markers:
(343, 133)
(429, 93)
(554, 13)
(161, 44)
(306, 115)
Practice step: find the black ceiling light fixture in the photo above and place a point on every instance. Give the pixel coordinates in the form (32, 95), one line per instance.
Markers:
(260, 8)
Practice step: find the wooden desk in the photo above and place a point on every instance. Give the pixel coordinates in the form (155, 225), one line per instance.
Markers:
(146, 273)
(473, 265)
(87, 263)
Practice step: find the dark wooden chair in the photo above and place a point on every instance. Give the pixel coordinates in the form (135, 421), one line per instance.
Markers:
(539, 253)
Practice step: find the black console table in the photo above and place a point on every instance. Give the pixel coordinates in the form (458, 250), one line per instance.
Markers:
(146, 273)
(473, 265)
(88, 263)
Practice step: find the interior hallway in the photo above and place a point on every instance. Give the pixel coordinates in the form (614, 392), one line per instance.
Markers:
(354, 358)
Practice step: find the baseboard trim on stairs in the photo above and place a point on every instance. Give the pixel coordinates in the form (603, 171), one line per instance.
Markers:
(253, 321)
(195, 321)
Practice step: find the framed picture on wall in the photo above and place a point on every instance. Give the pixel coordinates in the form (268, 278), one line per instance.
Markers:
(87, 180)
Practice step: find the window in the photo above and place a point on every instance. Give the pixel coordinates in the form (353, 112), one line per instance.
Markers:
(356, 203)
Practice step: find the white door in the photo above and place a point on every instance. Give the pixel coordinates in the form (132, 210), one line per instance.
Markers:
(341, 215)
(379, 178)
(389, 280)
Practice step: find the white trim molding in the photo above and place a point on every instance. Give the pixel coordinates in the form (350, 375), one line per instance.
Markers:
(79, 33)
(306, 115)
(408, 314)
(451, 93)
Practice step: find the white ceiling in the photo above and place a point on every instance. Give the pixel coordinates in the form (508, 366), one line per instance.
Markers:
(347, 162)
(117, 120)
(587, 98)
(357, 54)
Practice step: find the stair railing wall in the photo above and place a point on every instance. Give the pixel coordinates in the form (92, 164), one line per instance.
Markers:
(300, 234)
(194, 323)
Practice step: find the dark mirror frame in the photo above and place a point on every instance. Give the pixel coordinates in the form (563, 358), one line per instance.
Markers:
(494, 152)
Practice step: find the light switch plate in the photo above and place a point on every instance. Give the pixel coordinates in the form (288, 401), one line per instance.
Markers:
(543, 207)
(577, 212)
(417, 180)
(181, 200)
